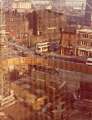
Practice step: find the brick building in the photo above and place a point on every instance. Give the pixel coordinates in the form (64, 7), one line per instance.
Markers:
(17, 26)
(84, 47)
(76, 42)
(40, 25)
(68, 41)
(46, 24)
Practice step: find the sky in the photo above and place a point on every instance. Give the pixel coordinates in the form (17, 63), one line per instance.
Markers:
(75, 3)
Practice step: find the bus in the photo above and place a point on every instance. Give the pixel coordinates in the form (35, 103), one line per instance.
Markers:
(42, 47)
(89, 61)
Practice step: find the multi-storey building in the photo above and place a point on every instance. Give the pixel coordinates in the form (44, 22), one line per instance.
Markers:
(41, 4)
(41, 25)
(46, 23)
(68, 41)
(22, 5)
(76, 42)
(17, 25)
(88, 13)
(58, 4)
(84, 45)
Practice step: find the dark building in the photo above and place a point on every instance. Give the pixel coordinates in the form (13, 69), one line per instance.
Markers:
(85, 90)
(17, 26)
(68, 41)
(88, 12)
(32, 18)
(46, 24)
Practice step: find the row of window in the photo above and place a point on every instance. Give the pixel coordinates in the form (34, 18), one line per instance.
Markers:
(86, 35)
(22, 35)
(86, 43)
(84, 53)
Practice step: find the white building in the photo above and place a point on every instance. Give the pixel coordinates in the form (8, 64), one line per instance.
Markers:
(22, 5)
(58, 4)
(40, 4)
(29, 5)
(84, 42)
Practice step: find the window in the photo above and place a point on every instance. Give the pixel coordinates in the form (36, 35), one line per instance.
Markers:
(83, 53)
(91, 44)
(84, 43)
(90, 36)
(38, 48)
(11, 20)
(84, 35)
(44, 48)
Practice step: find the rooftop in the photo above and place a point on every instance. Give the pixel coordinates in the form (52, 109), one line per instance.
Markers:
(71, 30)
(88, 30)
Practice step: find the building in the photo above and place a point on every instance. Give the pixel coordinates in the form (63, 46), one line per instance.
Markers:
(40, 25)
(41, 4)
(46, 24)
(58, 4)
(22, 5)
(84, 45)
(7, 4)
(88, 13)
(76, 42)
(29, 5)
(68, 41)
(17, 26)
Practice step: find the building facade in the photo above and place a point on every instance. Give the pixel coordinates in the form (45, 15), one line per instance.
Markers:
(17, 26)
(84, 45)
(58, 4)
(68, 41)
(46, 24)
(76, 42)
(22, 5)
(88, 13)
(41, 4)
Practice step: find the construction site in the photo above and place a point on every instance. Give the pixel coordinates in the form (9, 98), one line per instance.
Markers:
(37, 85)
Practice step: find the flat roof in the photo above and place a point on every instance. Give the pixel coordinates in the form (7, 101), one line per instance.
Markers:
(85, 49)
(89, 59)
(85, 30)
(69, 30)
